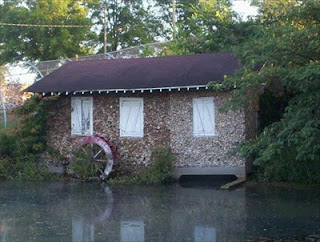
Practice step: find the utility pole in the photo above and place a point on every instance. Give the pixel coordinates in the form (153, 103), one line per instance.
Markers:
(105, 26)
(174, 32)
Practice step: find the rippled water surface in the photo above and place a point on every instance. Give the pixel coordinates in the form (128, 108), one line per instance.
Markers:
(56, 211)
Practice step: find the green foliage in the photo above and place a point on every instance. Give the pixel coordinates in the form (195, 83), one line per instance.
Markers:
(158, 173)
(147, 52)
(20, 144)
(183, 10)
(285, 49)
(129, 23)
(23, 169)
(211, 26)
(34, 43)
(84, 167)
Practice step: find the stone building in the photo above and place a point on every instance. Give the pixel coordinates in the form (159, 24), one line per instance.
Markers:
(142, 103)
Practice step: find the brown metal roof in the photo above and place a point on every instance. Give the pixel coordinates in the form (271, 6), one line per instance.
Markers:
(135, 73)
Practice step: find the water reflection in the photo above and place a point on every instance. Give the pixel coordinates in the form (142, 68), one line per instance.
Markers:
(94, 212)
(85, 220)
(132, 231)
(81, 231)
(204, 233)
(4, 229)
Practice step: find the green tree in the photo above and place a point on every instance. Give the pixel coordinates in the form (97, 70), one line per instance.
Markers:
(284, 48)
(129, 23)
(43, 43)
(184, 12)
(270, 10)
(211, 26)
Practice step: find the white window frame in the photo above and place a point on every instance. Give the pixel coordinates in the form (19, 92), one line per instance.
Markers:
(123, 123)
(212, 112)
(74, 132)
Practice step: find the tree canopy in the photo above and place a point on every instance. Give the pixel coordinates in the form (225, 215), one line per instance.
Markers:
(284, 48)
(129, 23)
(208, 26)
(43, 43)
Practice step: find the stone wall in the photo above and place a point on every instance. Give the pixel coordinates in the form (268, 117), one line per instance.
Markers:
(167, 122)
(59, 127)
(134, 152)
(213, 151)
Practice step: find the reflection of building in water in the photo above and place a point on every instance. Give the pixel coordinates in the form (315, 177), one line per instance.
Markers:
(84, 222)
(132, 231)
(204, 233)
(4, 232)
(172, 214)
(208, 215)
(179, 214)
(81, 231)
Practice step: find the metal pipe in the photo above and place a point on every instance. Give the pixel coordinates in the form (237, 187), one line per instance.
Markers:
(36, 69)
(4, 110)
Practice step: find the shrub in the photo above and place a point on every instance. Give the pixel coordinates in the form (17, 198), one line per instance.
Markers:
(23, 169)
(158, 173)
(21, 143)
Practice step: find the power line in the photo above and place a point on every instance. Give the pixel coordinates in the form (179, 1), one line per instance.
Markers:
(47, 25)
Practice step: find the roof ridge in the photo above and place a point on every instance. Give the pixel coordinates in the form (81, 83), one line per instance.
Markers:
(150, 57)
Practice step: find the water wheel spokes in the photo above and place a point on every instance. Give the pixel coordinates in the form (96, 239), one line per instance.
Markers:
(99, 151)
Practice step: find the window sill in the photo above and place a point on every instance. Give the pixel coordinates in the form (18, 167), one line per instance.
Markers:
(131, 137)
(81, 135)
(205, 136)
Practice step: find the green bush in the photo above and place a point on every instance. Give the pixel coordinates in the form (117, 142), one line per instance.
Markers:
(21, 143)
(23, 169)
(5, 168)
(158, 173)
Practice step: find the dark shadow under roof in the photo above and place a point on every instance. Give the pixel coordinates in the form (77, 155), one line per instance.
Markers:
(135, 73)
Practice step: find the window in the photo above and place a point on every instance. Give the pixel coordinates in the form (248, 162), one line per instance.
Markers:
(81, 116)
(203, 117)
(131, 117)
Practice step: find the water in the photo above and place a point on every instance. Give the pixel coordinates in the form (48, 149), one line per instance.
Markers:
(56, 211)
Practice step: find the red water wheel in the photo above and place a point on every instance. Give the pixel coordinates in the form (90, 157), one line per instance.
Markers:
(100, 151)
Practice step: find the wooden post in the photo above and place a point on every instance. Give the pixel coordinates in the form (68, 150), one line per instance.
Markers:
(105, 27)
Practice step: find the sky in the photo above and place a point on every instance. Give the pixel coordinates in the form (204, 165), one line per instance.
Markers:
(243, 8)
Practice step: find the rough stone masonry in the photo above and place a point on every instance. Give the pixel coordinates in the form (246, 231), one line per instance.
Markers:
(167, 122)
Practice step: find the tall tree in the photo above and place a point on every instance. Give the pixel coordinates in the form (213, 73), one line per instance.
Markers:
(211, 26)
(43, 43)
(129, 23)
(285, 48)
(184, 12)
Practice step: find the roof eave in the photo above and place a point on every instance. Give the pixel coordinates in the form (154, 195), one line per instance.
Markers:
(133, 90)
